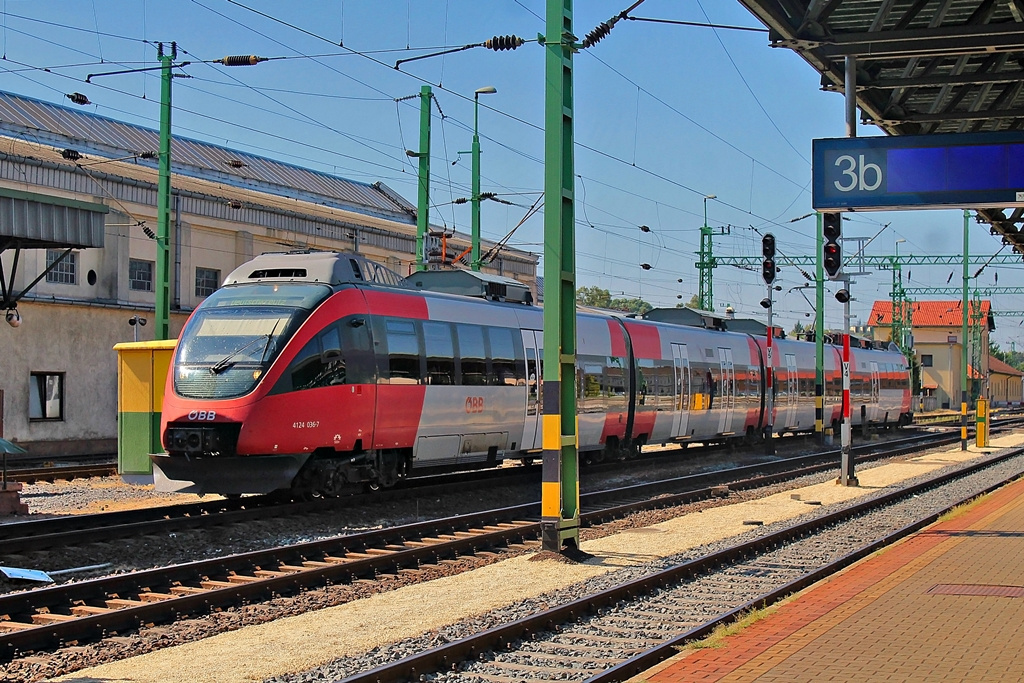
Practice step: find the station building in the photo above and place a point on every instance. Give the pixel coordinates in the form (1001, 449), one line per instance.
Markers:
(1006, 383)
(937, 328)
(65, 172)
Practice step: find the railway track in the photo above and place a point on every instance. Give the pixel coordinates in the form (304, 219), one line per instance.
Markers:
(32, 475)
(73, 530)
(40, 619)
(31, 469)
(616, 633)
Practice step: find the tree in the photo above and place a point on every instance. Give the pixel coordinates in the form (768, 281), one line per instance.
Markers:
(798, 328)
(694, 302)
(1012, 358)
(602, 298)
(638, 306)
(593, 296)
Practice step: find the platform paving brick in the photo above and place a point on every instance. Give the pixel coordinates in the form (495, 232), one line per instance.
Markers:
(877, 620)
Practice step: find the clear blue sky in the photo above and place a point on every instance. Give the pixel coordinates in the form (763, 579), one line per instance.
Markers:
(664, 116)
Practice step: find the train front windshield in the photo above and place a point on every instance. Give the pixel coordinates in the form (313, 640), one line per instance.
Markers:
(236, 334)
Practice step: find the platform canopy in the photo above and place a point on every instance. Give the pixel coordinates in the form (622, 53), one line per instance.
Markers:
(36, 221)
(923, 67)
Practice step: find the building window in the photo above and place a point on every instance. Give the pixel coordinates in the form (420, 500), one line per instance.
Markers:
(140, 275)
(926, 360)
(46, 396)
(207, 281)
(65, 272)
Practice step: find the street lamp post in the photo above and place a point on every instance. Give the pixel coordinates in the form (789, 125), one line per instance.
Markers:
(475, 257)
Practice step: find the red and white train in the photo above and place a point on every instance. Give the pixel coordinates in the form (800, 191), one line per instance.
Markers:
(316, 371)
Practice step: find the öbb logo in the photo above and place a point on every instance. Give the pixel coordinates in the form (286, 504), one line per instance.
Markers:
(475, 404)
(205, 415)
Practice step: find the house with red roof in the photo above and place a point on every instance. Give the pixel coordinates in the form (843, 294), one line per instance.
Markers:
(1005, 383)
(937, 332)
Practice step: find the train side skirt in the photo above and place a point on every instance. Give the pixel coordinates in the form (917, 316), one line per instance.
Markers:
(226, 474)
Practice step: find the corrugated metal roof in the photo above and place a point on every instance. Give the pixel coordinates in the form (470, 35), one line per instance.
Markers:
(40, 121)
(923, 66)
(35, 221)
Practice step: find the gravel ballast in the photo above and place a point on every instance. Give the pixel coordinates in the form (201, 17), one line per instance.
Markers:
(415, 613)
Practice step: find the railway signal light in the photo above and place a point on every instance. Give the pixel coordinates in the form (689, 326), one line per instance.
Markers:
(832, 253)
(768, 266)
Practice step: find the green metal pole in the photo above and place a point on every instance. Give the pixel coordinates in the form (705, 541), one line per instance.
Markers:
(475, 257)
(963, 341)
(163, 199)
(706, 263)
(560, 492)
(819, 334)
(704, 294)
(423, 203)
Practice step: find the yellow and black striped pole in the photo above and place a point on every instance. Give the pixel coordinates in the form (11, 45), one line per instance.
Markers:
(560, 491)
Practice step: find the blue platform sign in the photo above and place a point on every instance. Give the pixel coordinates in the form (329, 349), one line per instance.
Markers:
(970, 170)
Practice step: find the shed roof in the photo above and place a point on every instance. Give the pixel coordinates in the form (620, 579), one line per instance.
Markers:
(998, 367)
(38, 121)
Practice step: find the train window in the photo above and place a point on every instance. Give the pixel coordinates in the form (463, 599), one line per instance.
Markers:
(320, 363)
(403, 352)
(356, 272)
(591, 387)
(506, 363)
(532, 382)
(655, 380)
(437, 340)
(472, 355)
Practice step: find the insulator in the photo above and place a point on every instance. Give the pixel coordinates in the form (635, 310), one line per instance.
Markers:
(595, 36)
(460, 200)
(78, 98)
(241, 60)
(503, 43)
(71, 154)
(148, 155)
(487, 195)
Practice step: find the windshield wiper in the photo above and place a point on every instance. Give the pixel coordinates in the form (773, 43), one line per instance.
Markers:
(270, 338)
(226, 362)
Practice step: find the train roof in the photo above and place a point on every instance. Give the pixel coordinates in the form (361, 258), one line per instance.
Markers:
(327, 267)
(472, 283)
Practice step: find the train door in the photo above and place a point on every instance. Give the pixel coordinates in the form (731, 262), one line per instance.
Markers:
(532, 340)
(681, 412)
(726, 390)
(792, 391)
(875, 385)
